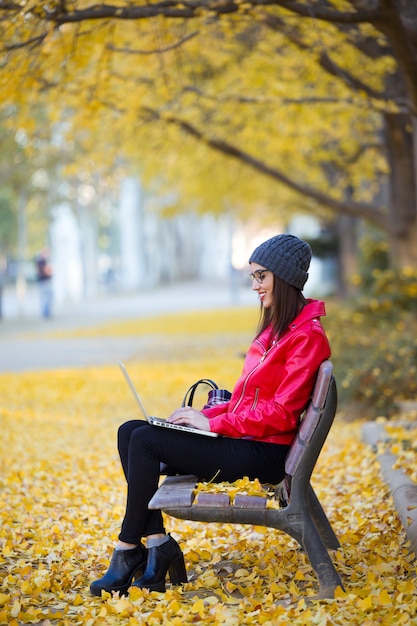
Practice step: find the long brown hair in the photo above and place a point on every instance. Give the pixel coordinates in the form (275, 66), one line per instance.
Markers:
(288, 302)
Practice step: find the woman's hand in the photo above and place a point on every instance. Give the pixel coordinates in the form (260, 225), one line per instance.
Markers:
(187, 416)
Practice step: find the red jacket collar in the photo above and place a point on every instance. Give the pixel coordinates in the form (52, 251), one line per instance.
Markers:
(313, 308)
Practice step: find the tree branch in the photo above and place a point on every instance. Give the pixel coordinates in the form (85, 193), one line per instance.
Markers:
(382, 105)
(331, 67)
(32, 42)
(327, 14)
(347, 77)
(169, 8)
(373, 214)
(191, 8)
(157, 51)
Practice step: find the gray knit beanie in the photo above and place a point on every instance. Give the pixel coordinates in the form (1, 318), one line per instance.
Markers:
(287, 256)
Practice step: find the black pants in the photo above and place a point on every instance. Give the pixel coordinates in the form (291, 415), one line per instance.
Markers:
(143, 447)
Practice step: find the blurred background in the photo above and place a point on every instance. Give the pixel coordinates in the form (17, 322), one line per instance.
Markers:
(141, 149)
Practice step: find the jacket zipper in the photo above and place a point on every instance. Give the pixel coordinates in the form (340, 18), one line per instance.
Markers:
(255, 400)
(266, 352)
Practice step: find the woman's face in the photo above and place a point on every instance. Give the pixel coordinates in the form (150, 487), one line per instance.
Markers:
(263, 283)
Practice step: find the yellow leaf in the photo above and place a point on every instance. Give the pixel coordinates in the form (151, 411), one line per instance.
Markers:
(193, 556)
(366, 603)
(174, 606)
(242, 573)
(210, 580)
(15, 609)
(384, 598)
(136, 593)
(157, 615)
(3, 598)
(198, 607)
(27, 586)
(124, 607)
(78, 600)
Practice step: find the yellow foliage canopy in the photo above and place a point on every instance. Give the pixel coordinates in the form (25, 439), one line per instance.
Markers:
(118, 88)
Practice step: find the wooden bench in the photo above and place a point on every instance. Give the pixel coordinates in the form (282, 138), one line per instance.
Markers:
(300, 514)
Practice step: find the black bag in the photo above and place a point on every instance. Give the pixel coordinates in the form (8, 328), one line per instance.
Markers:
(215, 396)
(189, 396)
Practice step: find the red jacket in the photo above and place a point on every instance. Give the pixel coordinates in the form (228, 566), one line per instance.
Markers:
(276, 382)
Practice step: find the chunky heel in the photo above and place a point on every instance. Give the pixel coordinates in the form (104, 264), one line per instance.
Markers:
(163, 559)
(177, 571)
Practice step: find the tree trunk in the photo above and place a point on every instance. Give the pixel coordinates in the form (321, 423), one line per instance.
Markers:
(347, 228)
(402, 206)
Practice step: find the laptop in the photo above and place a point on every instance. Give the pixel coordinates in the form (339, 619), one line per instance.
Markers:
(157, 421)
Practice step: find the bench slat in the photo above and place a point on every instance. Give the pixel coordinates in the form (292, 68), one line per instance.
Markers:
(310, 420)
(249, 502)
(175, 491)
(216, 500)
(321, 386)
(303, 437)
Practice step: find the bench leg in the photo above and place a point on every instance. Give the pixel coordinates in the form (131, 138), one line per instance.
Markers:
(321, 521)
(320, 560)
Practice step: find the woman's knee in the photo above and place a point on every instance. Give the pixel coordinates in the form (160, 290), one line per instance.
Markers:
(126, 430)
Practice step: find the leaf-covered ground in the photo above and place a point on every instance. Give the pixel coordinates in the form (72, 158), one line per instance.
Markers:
(62, 499)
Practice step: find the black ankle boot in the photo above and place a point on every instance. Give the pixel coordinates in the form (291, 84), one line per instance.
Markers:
(124, 566)
(165, 558)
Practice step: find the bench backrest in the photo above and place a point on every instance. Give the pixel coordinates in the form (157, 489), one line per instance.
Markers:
(315, 423)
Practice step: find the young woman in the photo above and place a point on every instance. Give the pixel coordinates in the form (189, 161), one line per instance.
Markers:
(257, 425)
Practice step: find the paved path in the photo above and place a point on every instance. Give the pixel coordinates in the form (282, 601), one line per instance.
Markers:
(26, 341)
